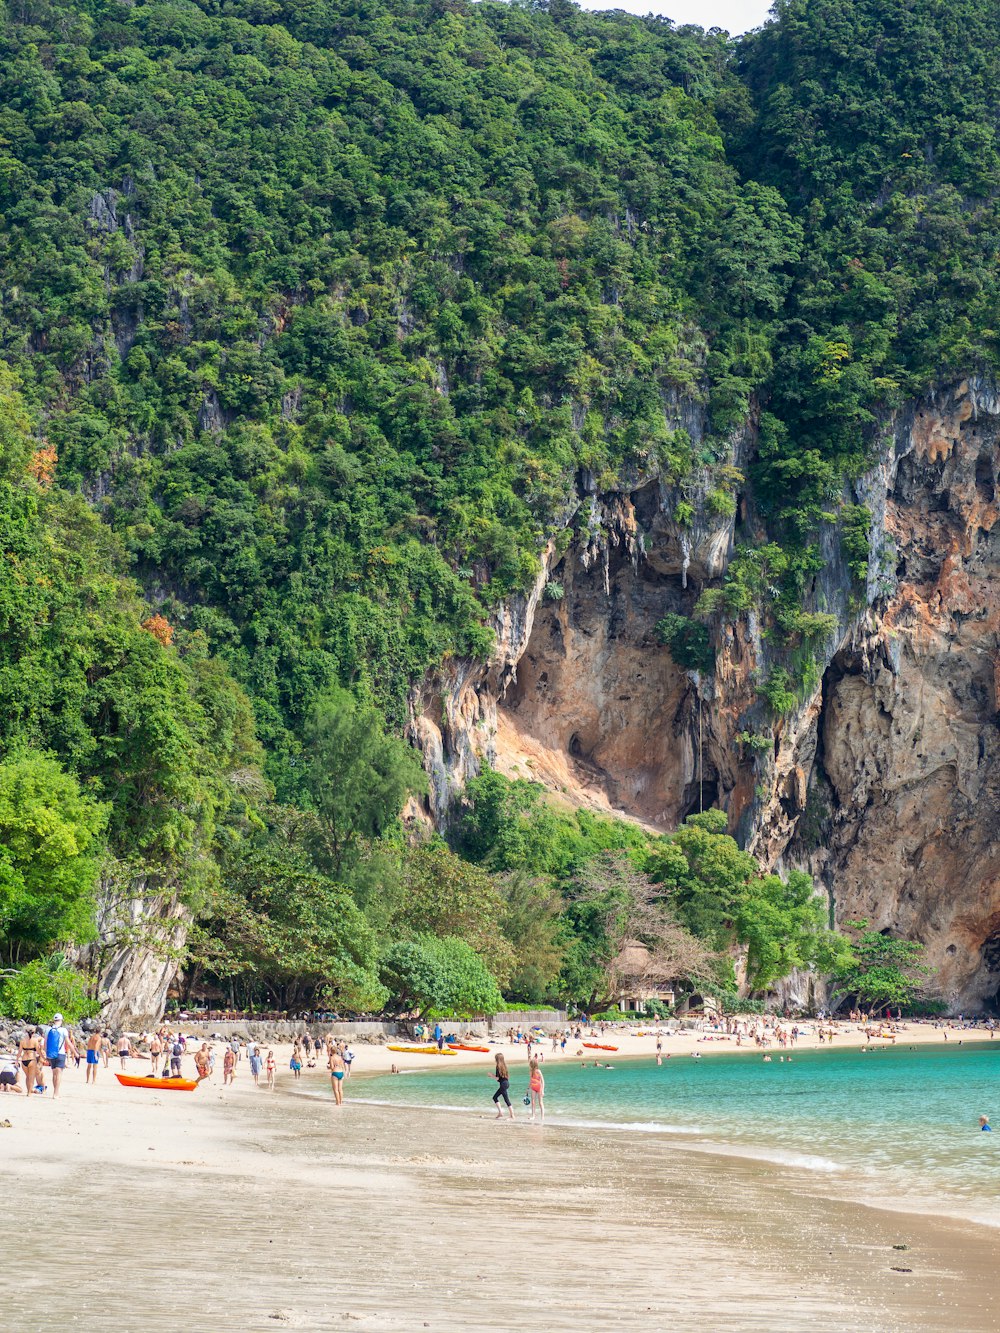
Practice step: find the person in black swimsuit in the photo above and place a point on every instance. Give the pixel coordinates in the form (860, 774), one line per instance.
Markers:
(29, 1052)
(502, 1077)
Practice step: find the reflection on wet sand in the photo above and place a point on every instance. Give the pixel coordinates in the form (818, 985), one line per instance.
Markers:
(272, 1212)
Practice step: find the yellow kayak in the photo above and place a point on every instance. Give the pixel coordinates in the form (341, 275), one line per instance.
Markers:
(420, 1050)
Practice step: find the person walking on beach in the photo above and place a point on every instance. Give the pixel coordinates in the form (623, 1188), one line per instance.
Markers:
(536, 1089)
(124, 1049)
(295, 1064)
(338, 1071)
(255, 1065)
(57, 1043)
(348, 1059)
(93, 1056)
(439, 1036)
(502, 1076)
(269, 1068)
(228, 1066)
(202, 1063)
(176, 1051)
(155, 1054)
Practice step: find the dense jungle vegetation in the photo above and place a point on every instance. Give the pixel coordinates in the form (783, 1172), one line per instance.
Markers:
(312, 312)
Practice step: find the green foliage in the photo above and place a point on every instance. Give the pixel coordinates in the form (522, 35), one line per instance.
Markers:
(531, 923)
(720, 894)
(326, 308)
(44, 987)
(880, 969)
(506, 825)
(355, 777)
(781, 924)
(427, 972)
(156, 732)
(855, 537)
(616, 911)
(448, 896)
(49, 835)
(280, 932)
(757, 742)
(778, 691)
(688, 641)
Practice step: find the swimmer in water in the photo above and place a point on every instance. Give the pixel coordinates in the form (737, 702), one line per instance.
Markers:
(984, 1124)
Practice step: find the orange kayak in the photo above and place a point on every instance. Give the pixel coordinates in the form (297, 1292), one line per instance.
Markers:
(596, 1046)
(457, 1046)
(162, 1084)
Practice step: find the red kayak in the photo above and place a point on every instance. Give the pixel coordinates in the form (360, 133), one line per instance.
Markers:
(162, 1084)
(457, 1046)
(596, 1046)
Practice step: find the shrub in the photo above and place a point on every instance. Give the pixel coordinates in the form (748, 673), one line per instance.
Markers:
(44, 987)
(688, 641)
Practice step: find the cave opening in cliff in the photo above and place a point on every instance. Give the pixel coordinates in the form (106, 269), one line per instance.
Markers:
(701, 796)
(985, 484)
(989, 954)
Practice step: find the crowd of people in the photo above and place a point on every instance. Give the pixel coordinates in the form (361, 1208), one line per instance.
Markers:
(42, 1053)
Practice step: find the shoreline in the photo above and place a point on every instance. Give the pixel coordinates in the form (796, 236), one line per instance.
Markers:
(292, 1214)
(283, 1211)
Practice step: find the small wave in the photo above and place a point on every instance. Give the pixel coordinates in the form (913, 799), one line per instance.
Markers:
(626, 1126)
(565, 1122)
(780, 1156)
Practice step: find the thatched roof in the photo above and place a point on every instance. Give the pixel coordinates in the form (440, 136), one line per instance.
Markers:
(637, 963)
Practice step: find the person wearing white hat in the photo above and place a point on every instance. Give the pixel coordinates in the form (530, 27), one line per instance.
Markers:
(57, 1043)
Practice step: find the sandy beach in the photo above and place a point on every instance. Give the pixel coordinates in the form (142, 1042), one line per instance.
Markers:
(241, 1209)
(631, 1041)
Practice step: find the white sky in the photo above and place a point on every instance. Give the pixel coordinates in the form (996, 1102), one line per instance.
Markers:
(735, 16)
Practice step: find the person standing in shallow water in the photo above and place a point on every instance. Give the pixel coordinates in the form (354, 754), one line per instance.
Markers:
(502, 1076)
(337, 1069)
(536, 1089)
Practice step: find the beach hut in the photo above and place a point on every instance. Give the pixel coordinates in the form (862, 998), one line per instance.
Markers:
(639, 978)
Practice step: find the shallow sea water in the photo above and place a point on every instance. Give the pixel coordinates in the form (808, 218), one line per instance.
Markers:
(897, 1125)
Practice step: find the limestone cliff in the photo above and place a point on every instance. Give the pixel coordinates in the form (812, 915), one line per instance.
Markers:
(885, 783)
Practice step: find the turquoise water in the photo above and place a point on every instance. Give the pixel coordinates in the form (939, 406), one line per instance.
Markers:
(895, 1125)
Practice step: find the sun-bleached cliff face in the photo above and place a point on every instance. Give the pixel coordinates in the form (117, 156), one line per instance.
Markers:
(885, 783)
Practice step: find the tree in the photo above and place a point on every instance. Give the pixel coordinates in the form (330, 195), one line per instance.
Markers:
(781, 924)
(428, 973)
(615, 905)
(281, 930)
(720, 894)
(357, 777)
(882, 970)
(50, 833)
(531, 923)
(446, 896)
(706, 876)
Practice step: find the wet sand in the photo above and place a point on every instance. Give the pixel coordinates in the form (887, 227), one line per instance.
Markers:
(238, 1209)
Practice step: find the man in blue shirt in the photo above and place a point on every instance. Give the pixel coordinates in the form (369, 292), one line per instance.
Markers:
(439, 1036)
(57, 1043)
(984, 1124)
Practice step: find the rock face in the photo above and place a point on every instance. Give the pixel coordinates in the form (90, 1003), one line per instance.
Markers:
(907, 745)
(142, 940)
(885, 783)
